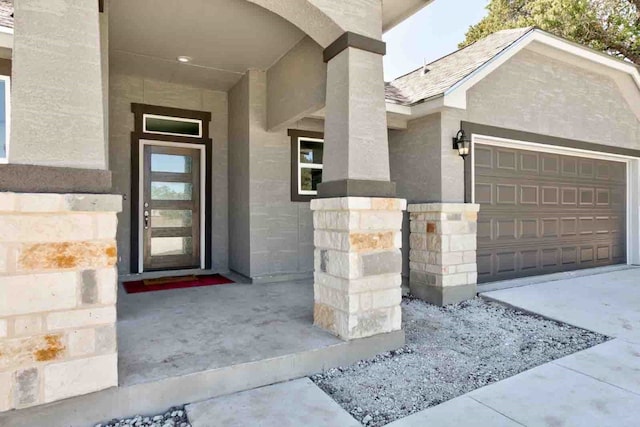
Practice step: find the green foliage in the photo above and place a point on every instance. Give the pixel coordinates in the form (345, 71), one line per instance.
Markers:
(612, 26)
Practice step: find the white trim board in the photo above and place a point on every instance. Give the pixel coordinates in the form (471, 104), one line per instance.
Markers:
(633, 180)
(203, 195)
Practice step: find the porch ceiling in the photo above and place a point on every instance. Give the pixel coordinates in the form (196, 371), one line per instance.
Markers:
(224, 38)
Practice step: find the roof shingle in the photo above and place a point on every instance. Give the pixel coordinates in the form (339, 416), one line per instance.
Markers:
(445, 72)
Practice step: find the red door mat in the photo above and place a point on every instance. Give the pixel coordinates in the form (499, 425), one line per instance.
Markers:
(165, 283)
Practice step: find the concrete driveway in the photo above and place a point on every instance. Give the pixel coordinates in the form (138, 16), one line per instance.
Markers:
(599, 386)
(607, 303)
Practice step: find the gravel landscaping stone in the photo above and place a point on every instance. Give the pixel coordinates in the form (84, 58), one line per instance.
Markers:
(449, 351)
(174, 417)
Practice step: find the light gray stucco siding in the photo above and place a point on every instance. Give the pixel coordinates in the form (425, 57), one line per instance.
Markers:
(239, 226)
(296, 84)
(535, 93)
(125, 90)
(414, 158)
(56, 97)
(281, 230)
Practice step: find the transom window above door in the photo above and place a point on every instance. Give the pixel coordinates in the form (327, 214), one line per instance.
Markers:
(166, 125)
(307, 150)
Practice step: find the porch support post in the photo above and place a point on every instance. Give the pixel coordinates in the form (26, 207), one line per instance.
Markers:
(357, 221)
(58, 281)
(356, 154)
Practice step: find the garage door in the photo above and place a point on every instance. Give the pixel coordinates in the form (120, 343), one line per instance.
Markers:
(542, 213)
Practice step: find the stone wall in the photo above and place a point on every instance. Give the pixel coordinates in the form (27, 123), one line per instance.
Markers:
(442, 257)
(357, 288)
(58, 288)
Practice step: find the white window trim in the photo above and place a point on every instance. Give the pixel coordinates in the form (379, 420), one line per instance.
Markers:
(177, 119)
(633, 180)
(301, 166)
(7, 118)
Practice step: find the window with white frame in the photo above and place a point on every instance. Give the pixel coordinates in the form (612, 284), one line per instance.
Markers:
(5, 108)
(177, 126)
(307, 156)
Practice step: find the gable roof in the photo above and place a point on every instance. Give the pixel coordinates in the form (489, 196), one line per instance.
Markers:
(442, 74)
(6, 13)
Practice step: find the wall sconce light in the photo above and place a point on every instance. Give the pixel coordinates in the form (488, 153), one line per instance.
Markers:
(462, 143)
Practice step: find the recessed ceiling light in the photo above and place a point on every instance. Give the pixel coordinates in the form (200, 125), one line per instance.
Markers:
(184, 59)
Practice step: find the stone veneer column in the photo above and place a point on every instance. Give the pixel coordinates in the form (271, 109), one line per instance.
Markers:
(442, 257)
(57, 296)
(358, 265)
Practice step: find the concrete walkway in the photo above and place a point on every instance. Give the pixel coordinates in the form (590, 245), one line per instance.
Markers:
(607, 303)
(599, 386)
(290, 404)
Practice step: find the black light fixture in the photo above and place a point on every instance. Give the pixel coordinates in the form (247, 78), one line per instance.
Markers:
(462, 143)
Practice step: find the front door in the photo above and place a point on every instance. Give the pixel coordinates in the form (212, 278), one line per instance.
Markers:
(171, 214)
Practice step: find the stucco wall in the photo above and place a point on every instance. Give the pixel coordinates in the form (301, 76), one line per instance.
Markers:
(414, 158)
(239, 243)
(296, 84)
(534, 93)
(280, 233)
(52, 63)
(125, 90)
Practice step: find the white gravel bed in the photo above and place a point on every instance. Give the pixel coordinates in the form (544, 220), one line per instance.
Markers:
(174, 417)
(449, 351)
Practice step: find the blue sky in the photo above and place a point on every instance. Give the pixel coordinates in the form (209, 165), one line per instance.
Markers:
(429, 34)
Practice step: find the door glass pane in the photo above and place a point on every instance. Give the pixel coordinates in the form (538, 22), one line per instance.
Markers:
(310, 178)
(170, 163)
(171, 190)
(169, 125)
(310, 152)
(161, 246)
(161, 218)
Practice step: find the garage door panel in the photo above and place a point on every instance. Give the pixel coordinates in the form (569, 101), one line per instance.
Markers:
(530, 260)
(506, 262)
(550, 195)
(506, 159)
(569, 255)
(483, 157)
(586, 168)
(506, 194)
(542, 213)
(529, 162)
(550, 164)
(569, 166)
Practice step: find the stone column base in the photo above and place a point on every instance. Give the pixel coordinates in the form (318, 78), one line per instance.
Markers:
(358, 265)
(442, 257)
(58, 288)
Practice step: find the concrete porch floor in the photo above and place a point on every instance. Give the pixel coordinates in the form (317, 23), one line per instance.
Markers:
(177, 332)
(188, 345)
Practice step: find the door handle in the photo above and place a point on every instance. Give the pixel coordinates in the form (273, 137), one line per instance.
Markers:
(146, 220)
